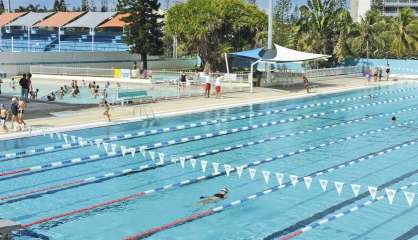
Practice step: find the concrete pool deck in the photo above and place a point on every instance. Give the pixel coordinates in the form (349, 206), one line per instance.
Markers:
(93, 117)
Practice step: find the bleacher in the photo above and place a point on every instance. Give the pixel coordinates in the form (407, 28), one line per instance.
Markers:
(38, 32)
(18, 42)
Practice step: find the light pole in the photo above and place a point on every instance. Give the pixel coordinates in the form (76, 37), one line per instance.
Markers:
(9, 7)
(270, 36)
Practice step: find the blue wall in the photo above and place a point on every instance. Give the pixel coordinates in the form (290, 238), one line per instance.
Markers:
(398, 66)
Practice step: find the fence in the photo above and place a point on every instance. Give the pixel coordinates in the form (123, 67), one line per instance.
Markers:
(71, 71)
(288, 77)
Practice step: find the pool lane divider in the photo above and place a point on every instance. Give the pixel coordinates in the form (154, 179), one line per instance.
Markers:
(67, 146)
(389, 194)
(222, 173)
(257, 195)
(106, 176)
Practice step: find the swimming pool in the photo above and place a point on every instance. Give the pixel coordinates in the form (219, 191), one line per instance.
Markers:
(72, 186)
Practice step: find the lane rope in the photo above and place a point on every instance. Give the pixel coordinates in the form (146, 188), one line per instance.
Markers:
(221, 173)
(67, 146)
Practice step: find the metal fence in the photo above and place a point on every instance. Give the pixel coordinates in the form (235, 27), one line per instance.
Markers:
(71, 71)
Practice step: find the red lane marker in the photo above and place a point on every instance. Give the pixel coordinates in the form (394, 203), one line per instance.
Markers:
(40, 190)
(86, 209)
(175, 223)
(14, 172)
(292, 235)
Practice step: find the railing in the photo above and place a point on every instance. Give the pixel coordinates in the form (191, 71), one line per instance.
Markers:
(71, 71)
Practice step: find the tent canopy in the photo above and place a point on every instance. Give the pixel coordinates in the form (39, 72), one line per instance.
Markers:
(115, 22)
(90, 20)
(29, 19)
(6, 18)
(280, 54)
(59, 19)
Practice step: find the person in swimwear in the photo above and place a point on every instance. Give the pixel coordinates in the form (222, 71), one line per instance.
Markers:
(221, 195)
(3, 117)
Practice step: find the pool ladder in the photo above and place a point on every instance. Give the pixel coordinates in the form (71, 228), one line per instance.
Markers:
(144, 111)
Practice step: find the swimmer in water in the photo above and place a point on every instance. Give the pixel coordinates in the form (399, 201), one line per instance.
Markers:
(393, 119)
(221, 195)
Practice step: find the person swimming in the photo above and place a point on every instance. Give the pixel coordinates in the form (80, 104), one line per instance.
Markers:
(221, 195)
(393, 119)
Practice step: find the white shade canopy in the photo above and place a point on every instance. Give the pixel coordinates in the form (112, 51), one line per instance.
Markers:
(281, 55)
(90, 20)
(29, 19)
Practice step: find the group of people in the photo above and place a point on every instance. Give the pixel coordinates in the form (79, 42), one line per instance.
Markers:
(208, 84)
(16, 111)
(377, 73)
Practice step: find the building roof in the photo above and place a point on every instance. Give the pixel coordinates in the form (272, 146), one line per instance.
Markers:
(6, 18)
(90, 20)
(59, 19)
(29, 19)
(115, 22)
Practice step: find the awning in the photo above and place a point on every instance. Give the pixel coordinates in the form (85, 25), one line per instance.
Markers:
(6, 18)
(280, 55)
(29, 19)
(90, 20)
(59, 19)
(253, 54)
(115, 22)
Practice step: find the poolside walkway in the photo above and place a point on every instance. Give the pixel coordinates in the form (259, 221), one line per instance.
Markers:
(94, 116)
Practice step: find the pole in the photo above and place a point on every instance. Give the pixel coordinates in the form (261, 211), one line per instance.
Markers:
(59, 39)
(270, 26)
(29, 29)
(9, 8)
(13, 46)
(92, 39)
(270, 36)
(226, 63)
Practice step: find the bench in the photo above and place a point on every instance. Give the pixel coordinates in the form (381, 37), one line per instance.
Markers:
(132, 96)
(6, 228)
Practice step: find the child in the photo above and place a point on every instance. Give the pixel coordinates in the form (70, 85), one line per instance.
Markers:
(218, 87)
(306, 83)
(107, 110)
(3, 117)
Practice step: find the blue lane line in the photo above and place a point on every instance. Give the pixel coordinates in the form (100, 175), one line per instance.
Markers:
(38, 151)
(143, 168)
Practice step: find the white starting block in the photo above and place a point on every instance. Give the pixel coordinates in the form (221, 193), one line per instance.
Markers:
(6, 228)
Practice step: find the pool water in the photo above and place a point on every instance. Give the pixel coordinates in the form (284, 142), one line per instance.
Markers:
(345, 138)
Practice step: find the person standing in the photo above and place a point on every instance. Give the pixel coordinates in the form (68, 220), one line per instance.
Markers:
(183, 81)
(24, 84)
(21, 110)
(387, 72)
(306, 83)
(14, 108)
(3, 117)
(380, 74)
(207, 84)
(106, 113)
(218, 87)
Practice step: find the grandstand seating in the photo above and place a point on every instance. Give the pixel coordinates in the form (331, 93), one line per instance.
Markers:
(48, 41)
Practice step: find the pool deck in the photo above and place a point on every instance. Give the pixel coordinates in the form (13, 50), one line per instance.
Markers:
(93, 117)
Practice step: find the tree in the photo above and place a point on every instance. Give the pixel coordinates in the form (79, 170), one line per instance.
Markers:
(319, 27)
(365, 39)
(144, 27)
(282, 10)
(1, 6)
(210, 28)
(252, 1)
(378, 5)
(104, 6)
(59, 5)
(31, 8)
(84, 5)
(92, 6)
(405, 31)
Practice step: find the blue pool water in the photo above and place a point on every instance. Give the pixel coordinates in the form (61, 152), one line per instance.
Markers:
(343, 127)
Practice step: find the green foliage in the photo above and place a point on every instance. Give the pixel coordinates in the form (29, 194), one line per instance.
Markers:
(282, 12)
(59, 5)
(144, 27)
(1, 6)
(213, 27)
(31, 8)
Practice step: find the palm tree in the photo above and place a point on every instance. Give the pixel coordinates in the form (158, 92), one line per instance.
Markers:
(319, 27)
(366, 38)
(405, 30)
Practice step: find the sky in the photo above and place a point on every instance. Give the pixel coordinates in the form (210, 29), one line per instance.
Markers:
(49, 3)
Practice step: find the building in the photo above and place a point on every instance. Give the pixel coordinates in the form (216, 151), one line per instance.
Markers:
(358, 8)
(392, 7)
